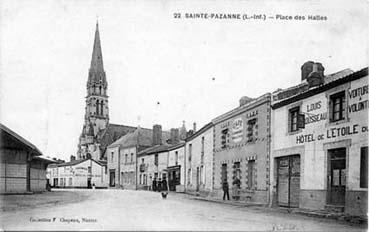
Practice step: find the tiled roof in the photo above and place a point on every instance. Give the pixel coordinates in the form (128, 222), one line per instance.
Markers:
(4, 131)
(111, 133)
(140, 137)
(75, 162)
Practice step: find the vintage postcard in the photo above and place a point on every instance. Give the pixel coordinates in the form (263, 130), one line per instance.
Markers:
(179, 115)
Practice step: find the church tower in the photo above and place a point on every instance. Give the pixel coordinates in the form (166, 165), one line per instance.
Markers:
(96, 110)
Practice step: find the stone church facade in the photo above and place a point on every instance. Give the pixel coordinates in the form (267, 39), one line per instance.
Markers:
(97, 132)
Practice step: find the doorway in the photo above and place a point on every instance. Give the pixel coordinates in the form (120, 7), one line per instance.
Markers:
(112, 178)
(336, 176)
(288, 181)
(89, 183)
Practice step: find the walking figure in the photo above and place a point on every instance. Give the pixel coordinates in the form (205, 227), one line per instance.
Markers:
(225, 190)
(154, 185)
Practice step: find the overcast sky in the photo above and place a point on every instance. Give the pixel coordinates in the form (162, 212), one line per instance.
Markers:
(196, 68)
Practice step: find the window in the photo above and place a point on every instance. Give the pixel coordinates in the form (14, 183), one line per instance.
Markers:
(97, 106)
(189, 176)
(202, 176)
(364, 167)
(102, 107)
(293, 116)
(202, 149)
(237, 170)
(224, 173)
(142, 160)
(251, 130)
(156, 159)
(70, 181)
(89, 169)
(250, 174)
(112, 156)
(189, 152)
(337, 106)
(225, 138)
(131, 157)
(126, 158)
(176, 157)
(106, 170)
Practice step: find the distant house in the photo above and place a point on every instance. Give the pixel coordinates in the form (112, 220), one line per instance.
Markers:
(22, 167)
(78, 174)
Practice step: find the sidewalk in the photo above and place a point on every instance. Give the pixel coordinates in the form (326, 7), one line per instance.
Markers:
(306, 212)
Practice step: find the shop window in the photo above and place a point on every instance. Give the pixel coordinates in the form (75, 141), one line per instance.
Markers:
(250, 174)
(225, 138)
(251, 130)
(364, 167)
(337, 106)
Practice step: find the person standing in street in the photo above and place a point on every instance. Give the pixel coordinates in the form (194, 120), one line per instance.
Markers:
(154, 185)
(225, 189)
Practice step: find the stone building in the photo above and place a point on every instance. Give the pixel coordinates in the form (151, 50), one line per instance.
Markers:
(98, 132)
(199, 160)
(241, 149)
(23, 169)
(319, 145)
(176, 167)
(82, 173)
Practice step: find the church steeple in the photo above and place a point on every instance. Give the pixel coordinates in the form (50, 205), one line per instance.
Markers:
(96, 110)
(96, 72)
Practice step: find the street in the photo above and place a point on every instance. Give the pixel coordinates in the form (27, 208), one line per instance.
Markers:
(142, 210)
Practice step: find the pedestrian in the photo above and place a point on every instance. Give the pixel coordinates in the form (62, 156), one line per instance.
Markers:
(154, 185)
(225, 189)
(159, 185)
(236, 188)
(164, 185)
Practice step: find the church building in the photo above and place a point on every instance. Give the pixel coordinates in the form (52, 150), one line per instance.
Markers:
(97, 132)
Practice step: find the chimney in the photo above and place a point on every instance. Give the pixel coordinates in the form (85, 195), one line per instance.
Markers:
(313, 73)
(156, 135)
(174, 135)
(194, 127)
(72, 157)
(244, 100)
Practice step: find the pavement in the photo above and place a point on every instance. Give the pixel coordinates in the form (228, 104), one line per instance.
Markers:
(307, 212)
(77, 209)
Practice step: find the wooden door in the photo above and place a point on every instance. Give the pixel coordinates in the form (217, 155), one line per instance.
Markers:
(288, 181)
(337, 177)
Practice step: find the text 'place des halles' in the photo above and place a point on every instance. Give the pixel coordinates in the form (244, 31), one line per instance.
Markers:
(303, 148)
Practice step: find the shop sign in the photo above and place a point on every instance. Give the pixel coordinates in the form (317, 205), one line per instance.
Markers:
(331, 133)
(237, 130)
(357, 95)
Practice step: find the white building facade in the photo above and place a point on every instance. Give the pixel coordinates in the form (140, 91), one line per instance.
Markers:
(200, 159)
(320, 145)
(78, 174)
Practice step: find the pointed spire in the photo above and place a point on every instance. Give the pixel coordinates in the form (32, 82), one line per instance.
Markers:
(97, 60)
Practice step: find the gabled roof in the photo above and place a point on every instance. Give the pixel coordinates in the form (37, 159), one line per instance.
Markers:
(140, 137)
(9, 138)
(113, 132)
(75, 162)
